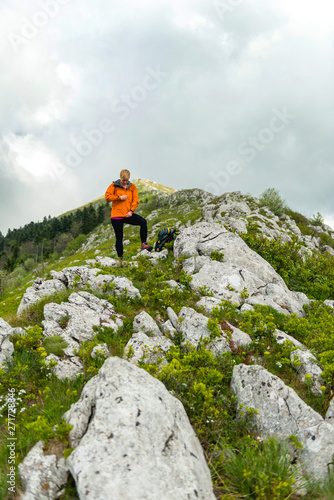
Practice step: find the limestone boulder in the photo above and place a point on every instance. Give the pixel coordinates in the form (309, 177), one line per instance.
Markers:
(41, 288)
(74, 320)
(134, 439)
(305, 363)
(106, 261)
(282, 337)
(143, 322)
(141, 347)
(330, 412)
(100, 351)
(77, 276)
(42, 476)
(239, 269)
(6, 346)
(168, 329)
(68, 368)
(173, 318)
(194, 326)
(281, 412)
(80, 276)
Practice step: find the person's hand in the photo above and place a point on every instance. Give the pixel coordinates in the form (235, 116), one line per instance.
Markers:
(129, 214)
(123, 197)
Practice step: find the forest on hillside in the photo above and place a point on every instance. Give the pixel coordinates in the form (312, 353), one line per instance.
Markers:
(36, 241)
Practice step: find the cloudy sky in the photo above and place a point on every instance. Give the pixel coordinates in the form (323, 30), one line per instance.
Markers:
(223, 95)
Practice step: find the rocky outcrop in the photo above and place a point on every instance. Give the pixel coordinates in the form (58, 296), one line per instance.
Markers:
(282, 337)
(76, 276)
(41, 288)
(147, 349)
(132, 438)
(68, 368)
(74, 321)
(281, 413)
(194, 328)
(242, 276)
(330, 412)
(143, 322)
(240, 213)
(306, 364)
(43, 476)
(153, 257)
(6, 346)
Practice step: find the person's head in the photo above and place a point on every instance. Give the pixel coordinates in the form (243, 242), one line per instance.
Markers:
(124, 176)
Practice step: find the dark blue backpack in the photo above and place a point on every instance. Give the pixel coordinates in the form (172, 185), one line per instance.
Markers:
(165, 236)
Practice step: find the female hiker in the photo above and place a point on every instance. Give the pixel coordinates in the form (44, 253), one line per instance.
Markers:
(124, 197)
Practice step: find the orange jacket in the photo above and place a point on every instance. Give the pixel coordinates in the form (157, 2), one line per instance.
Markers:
(121, 208)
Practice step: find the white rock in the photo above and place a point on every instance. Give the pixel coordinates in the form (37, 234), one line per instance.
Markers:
(176, 286)
(65, 368)
(246, 307)
(6, 346)
(41, 288)
(83, 276)
(168, 329)
(148, 349)
(308, 364)
(43, 476)
(107, 261)
(100, 350)
(194, 326)
(241, 268)
(82, 312)
(172, 316)
(282, 413)
(330, 412)
(282, 337)
(134, 439)
(145, 323)
(239, 337)
(209, 303)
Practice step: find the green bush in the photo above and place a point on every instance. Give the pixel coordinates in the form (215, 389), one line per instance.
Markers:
(313, 275)
(272, 199)
(219, 256)
(317, 220)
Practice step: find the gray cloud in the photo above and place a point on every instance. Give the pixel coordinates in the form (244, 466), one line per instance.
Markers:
(79, 101)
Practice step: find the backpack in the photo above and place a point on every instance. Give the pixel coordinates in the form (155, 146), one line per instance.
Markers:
(165, 236)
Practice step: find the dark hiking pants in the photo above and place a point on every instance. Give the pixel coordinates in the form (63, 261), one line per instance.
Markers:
(134, 220)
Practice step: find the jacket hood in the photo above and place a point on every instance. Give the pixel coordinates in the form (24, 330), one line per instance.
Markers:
(118, 184)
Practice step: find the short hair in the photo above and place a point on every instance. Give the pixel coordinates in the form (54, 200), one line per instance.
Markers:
(124, 175)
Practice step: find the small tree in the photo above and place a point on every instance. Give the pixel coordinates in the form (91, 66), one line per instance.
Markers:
(273, 200)
(317, 220)
(3, 282)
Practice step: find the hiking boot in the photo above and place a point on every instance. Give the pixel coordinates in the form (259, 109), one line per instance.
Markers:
(145, 246)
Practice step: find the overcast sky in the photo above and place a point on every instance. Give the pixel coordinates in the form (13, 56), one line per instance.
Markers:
(224, 95)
